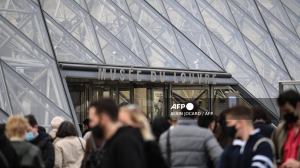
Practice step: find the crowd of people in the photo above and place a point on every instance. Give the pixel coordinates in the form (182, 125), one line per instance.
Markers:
(122, 137)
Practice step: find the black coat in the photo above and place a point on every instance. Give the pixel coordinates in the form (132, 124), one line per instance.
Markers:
(44, 142)
(153, 155)
(9, 155)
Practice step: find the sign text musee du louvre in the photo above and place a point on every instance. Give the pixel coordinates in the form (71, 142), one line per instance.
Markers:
(156, 76)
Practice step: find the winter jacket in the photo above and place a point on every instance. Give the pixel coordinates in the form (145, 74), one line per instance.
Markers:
(44, 142)
(265, 129)
(191, 146)
(29, 155)
(8, 154)
(279, 137)
(69, 152)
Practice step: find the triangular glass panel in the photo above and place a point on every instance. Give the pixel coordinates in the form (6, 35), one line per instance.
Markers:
(281, 32)
(195, 58)
(277, 10)
(222, 7)
(123, 5)
(255, 34)
(240, 71)
(3, 116)
(191, 6)
(157, 55)
(67, 48)
(293, 5)
(225, 31)
(156, 26)
(249, 7)
(118, 23)
(25, 99)
(4, 100)
(114, 51)
(266, 67)
(158, 5)
(26, 16)
(191, 28)
(76, 21)
(294, 19)
(291, 62)
(31, 62)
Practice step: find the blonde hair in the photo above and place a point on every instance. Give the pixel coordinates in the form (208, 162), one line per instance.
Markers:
(140, 120)
(16, 127)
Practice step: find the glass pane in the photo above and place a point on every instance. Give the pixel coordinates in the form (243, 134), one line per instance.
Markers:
(156, 26)
(266, 67)
(157, 55)
(158, 108)
(275, 7)
(67, 48)
(294, 5)
(27, 100)
(240, 71)
(291, 62)
(124, 96)
(75, 20)
(123, 5)
(191, 6)
(256, 34)
(191, 28)
(32, 63)
(281, 32)
(4, 101)
(3, 117)
(118, 23)
(294, 19)
(26, 16)
(140, 98)
(222, 7)
(195, 58)
(225, 31)
(250, 8)
(158, 5)
(113, 50)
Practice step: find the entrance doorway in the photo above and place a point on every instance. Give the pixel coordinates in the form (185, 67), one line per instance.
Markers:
(154, 99)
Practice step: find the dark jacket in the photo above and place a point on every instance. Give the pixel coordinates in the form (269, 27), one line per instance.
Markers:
(8, 154)
(29, 155)
(191, 146)
(44, 142)
(153, 155)
(124, 150)
(265, 129)
(232, 154)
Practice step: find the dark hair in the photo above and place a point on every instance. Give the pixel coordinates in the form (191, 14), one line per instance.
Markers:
(240, 112)
(66, 129)
(204, 121)
(260, 114)
(289, 96)
(107, 106)
(86, 122)
(31, 120)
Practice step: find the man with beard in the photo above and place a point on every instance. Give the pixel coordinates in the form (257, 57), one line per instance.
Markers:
(286, 137)
(123, 146)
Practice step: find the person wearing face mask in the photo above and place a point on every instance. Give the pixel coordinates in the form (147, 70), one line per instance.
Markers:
(28, 155)
(38, 137)
(286, 137)
(250, 148)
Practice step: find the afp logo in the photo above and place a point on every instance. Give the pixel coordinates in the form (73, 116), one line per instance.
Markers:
(188, 106)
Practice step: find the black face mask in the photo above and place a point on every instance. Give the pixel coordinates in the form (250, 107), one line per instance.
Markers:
(98, 132)
(231, 131)
(290, 118)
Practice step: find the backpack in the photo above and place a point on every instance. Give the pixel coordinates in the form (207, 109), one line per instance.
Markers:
(95, 158)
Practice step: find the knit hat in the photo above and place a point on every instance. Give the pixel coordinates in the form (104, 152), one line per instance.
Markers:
(55, 123)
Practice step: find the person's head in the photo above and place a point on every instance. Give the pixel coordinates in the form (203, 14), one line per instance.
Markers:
(107, 112)
(159, 125)
(131, 115)
(16, 127)
(55, 123)
(93, 118)
(66, 129)
(209, 122)
(33, 128)
(239, 119)
(86, 124)
(289, 105)
(260, 115)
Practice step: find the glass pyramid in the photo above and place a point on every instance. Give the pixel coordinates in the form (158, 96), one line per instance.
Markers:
(256, 41)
